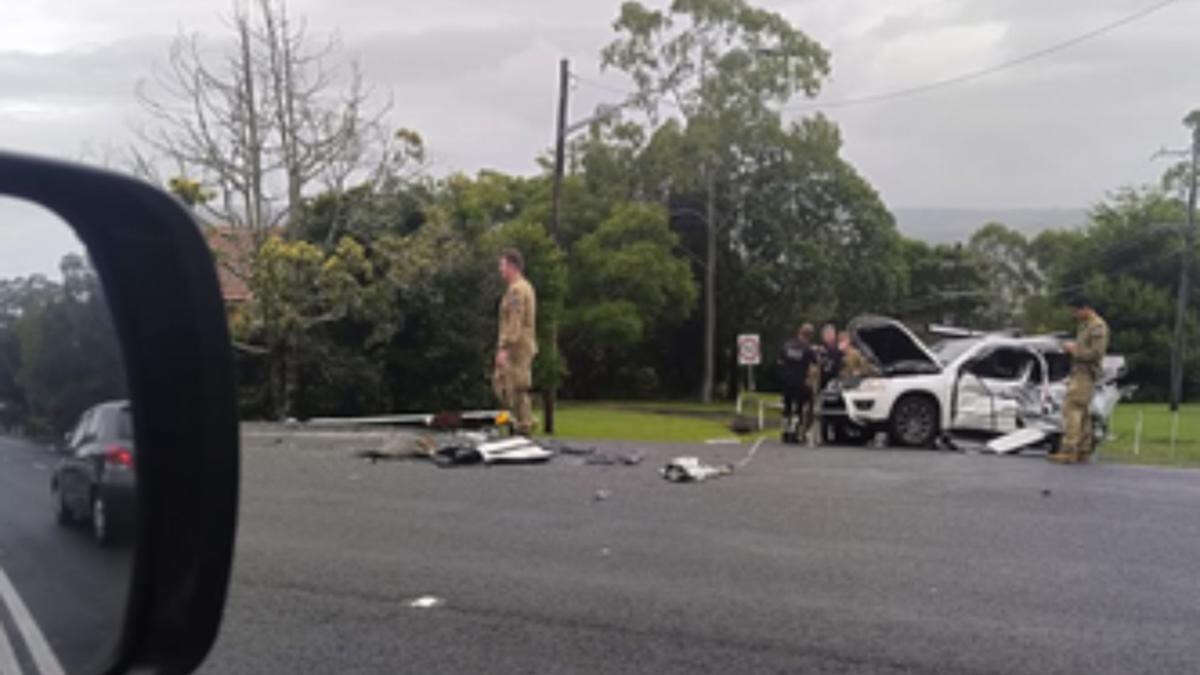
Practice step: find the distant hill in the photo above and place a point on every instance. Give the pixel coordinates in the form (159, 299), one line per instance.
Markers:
(945, 226)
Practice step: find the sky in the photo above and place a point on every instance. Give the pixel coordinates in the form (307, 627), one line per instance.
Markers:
(478, 79)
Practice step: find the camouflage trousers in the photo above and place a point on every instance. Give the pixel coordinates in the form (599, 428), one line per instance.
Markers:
(511, 385)
(1078, 436)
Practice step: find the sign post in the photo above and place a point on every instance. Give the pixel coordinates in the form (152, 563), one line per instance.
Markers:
(749, 354)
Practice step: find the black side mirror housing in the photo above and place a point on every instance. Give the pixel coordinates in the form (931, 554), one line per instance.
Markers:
(160, 282)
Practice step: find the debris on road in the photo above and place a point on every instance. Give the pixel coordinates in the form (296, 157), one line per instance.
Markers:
(572, 450)
(692, 470)
(459, 448)
(426, 602)
(601, 495)
(606, 459)
(1046, 492)
(1021, 438)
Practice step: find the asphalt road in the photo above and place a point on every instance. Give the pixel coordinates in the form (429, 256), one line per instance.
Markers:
(74, 591)
(828, 560)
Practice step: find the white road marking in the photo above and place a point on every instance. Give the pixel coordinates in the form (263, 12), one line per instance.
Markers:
(8, 658)
(43, 655)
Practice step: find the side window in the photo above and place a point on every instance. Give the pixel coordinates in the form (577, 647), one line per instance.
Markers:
(1059, 365)
(1003, 364)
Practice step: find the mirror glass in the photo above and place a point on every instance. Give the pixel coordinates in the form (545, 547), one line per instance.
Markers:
(67, 456)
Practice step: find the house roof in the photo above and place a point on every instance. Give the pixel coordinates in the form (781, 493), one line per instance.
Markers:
(233, 250)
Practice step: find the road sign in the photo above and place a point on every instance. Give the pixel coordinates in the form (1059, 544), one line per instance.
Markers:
(749, 353)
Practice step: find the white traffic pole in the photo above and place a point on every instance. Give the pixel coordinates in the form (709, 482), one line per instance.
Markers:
(1137, 435)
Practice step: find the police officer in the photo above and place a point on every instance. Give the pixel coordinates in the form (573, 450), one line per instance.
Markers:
(795, 359)
(517, 342)
(1087, 354)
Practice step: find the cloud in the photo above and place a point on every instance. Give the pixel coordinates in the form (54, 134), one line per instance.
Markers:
(478, 79)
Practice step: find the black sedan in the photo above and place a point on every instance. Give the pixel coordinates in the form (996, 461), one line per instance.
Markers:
(96, 481)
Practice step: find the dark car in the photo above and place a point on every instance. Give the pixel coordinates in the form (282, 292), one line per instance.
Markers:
(96, 481)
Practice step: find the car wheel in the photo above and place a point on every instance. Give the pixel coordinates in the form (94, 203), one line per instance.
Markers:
(914, 422)
(62, 512)
(102, 530)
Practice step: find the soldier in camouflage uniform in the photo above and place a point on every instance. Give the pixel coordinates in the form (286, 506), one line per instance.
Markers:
(854, 364)
(1087, 354)
(517, 343)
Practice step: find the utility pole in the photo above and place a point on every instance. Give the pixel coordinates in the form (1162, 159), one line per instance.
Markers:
(1189, 249)
(550, 395)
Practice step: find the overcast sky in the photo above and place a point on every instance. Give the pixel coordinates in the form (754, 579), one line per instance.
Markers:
(477, 78)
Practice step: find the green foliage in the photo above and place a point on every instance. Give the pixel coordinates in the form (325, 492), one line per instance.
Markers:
(59, 348)
(626, 282)
(1126, 261)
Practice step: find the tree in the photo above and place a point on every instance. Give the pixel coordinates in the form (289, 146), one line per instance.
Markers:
(66, 354)
(1010, 267)
(1126, 261)
(946, 284)
(265, 114)
(710, 59)
(298, 287)
(626, 283)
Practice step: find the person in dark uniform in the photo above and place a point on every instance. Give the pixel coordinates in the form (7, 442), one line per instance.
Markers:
(795, 359)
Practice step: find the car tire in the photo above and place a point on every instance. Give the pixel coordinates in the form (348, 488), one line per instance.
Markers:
(101, 521)
(62, 513)
(914, 422)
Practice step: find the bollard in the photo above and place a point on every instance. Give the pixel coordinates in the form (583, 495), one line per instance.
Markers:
(1137, 435)
(1174, 432)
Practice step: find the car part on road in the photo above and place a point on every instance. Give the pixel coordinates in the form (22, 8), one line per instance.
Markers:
(1021, 438)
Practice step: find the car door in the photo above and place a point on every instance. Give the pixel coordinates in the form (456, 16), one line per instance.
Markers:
(990, 385)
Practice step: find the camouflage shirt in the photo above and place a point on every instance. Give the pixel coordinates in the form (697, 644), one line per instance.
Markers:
(1091, 343)
(518, 319)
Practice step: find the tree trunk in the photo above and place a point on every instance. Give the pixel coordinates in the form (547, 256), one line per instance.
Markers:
(253, 137)
(710, 288)
(291, 377)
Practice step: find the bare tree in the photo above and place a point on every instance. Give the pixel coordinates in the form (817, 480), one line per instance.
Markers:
(265, 121)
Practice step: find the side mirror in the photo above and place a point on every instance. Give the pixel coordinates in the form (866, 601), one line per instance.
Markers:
(161, 369)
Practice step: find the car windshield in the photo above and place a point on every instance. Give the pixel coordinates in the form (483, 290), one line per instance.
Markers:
(948, 351)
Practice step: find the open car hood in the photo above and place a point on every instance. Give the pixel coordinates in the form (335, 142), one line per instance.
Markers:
(893, 346)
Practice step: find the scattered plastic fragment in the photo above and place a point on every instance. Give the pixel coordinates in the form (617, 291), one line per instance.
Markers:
(426, 602)
(692, 470)
(601, 495)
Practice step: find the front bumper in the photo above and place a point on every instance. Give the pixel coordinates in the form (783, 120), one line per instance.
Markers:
(863, 407)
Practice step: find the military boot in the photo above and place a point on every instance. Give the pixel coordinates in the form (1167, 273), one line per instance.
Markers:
(1064, 457)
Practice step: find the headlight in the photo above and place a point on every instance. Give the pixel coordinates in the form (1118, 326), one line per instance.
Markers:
(872, 384)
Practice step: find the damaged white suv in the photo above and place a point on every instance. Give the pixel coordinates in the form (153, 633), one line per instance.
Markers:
(980, 385)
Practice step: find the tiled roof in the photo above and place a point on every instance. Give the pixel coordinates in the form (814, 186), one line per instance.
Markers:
(233, 248)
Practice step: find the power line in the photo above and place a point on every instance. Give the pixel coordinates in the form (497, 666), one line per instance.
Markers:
(950, 81)
(984, 72)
